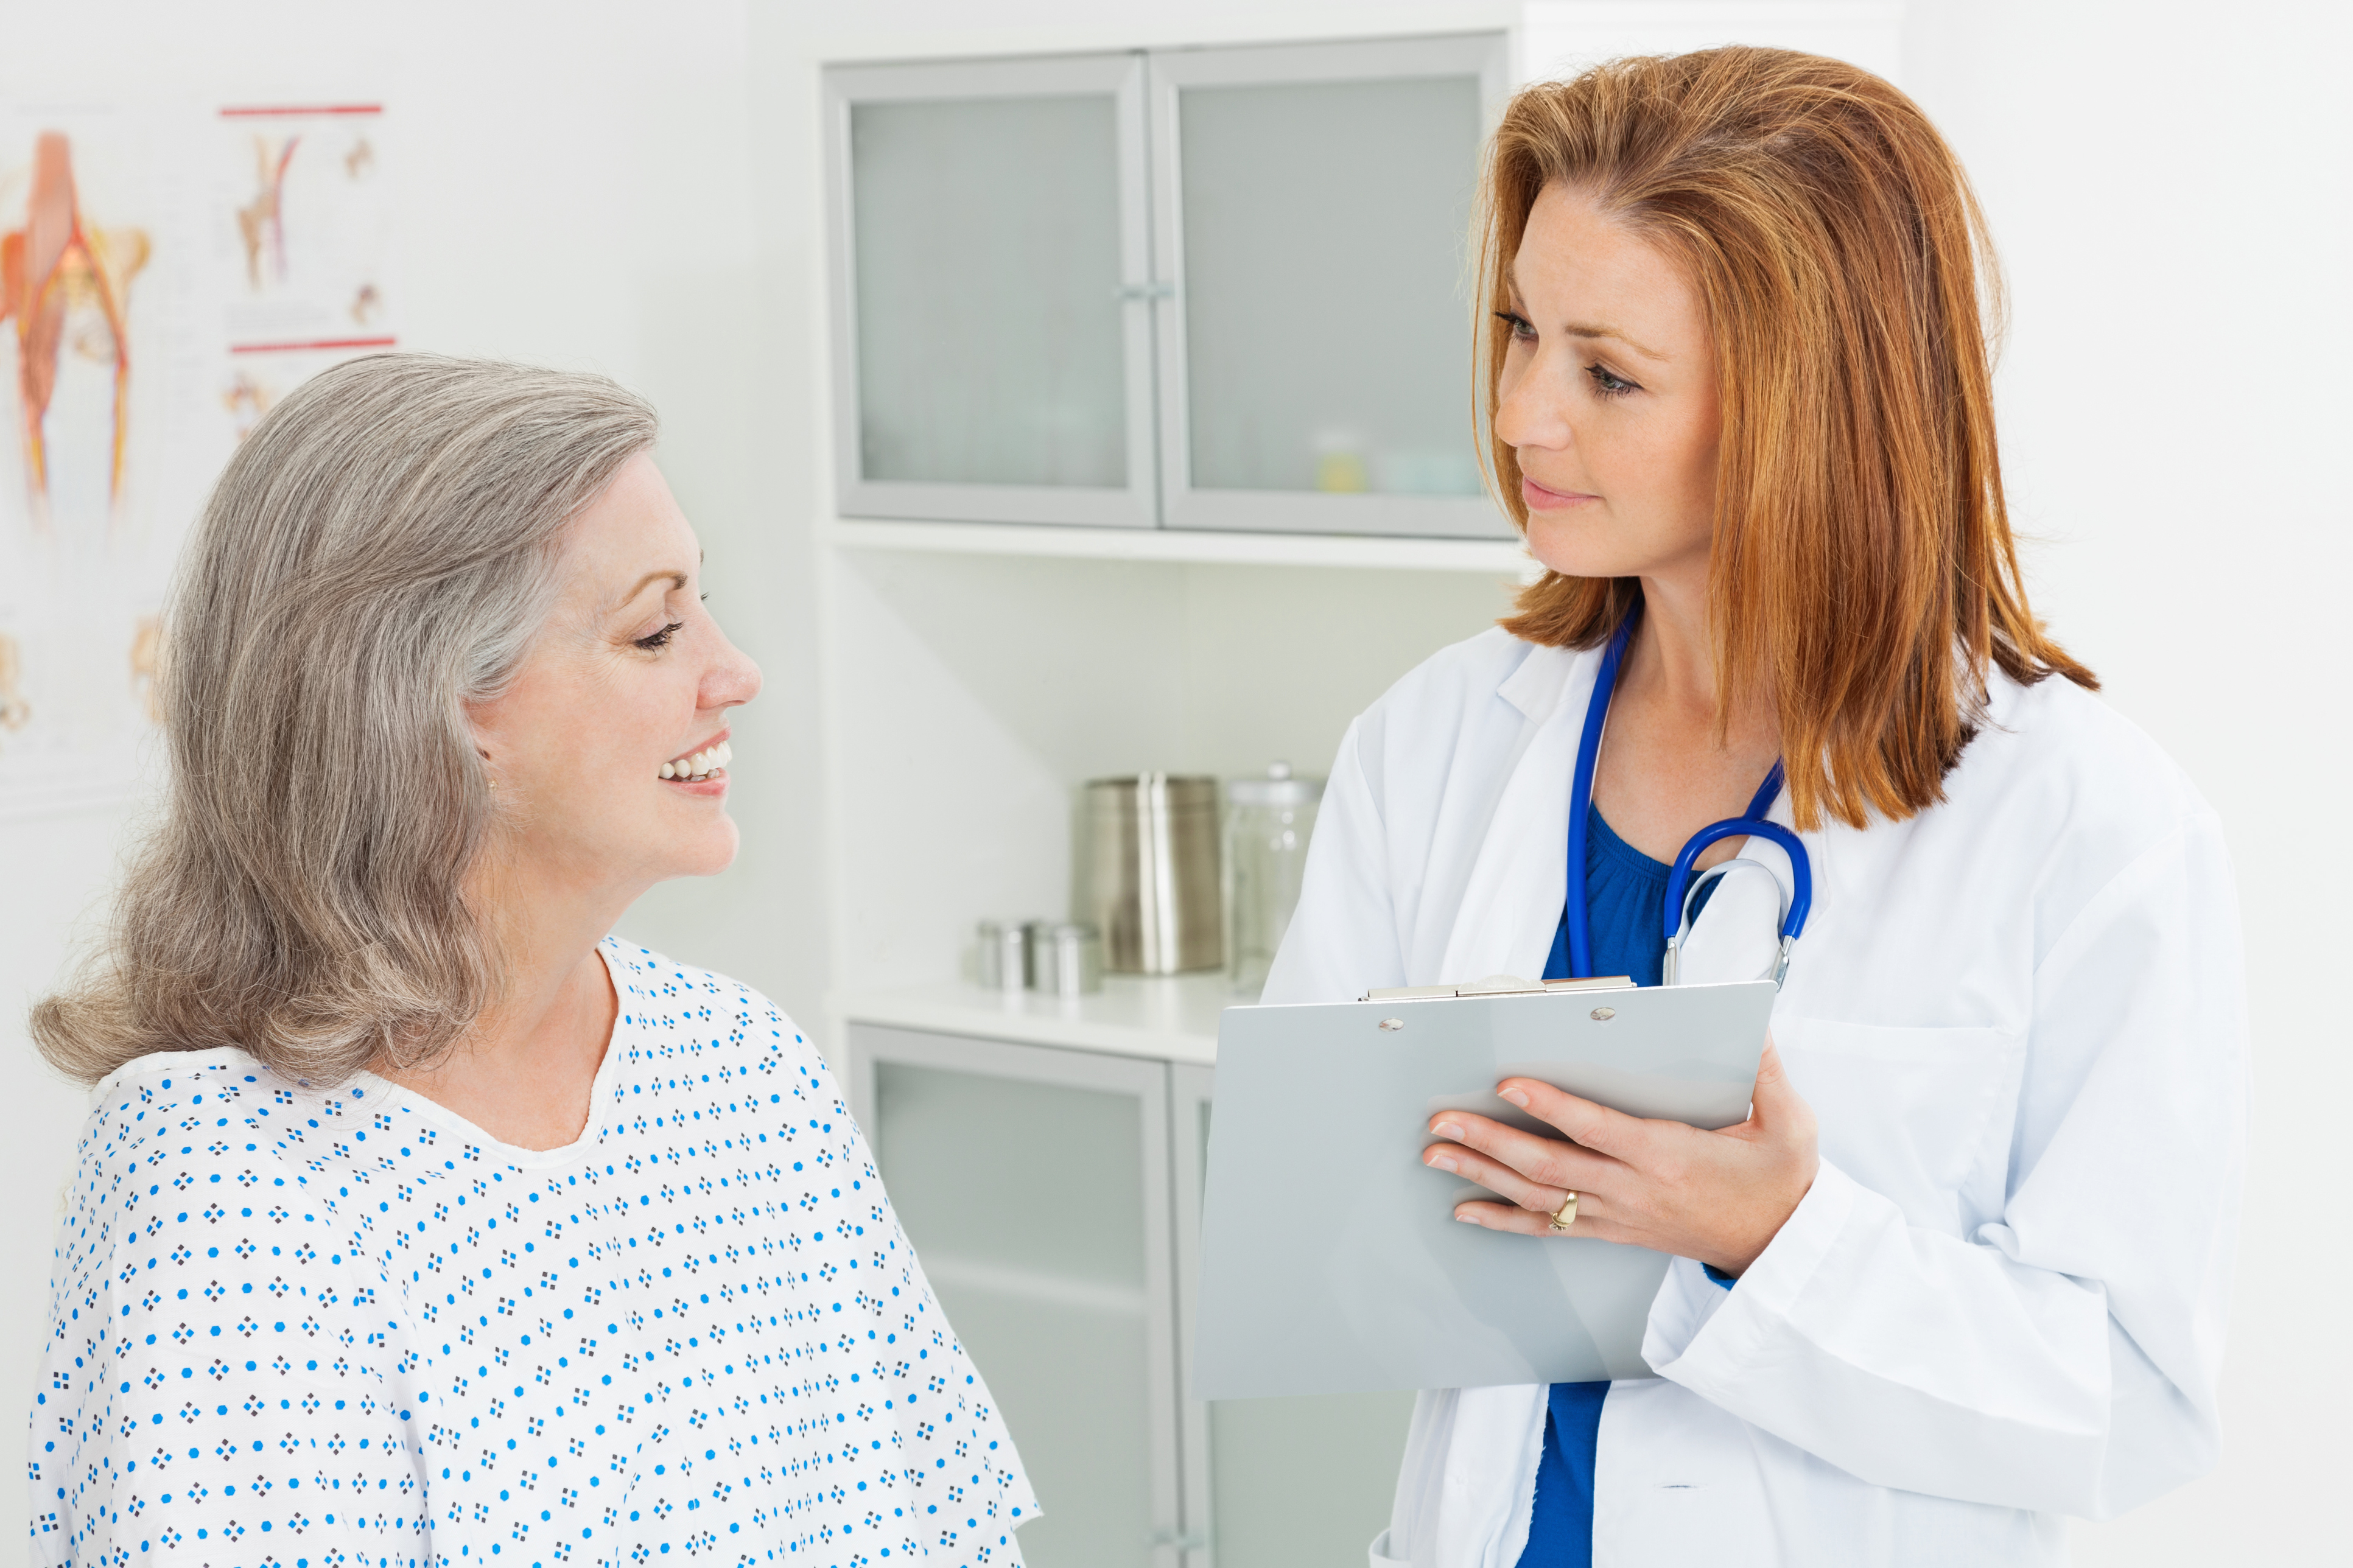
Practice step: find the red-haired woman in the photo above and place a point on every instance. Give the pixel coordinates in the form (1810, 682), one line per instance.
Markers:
(1964, 1270)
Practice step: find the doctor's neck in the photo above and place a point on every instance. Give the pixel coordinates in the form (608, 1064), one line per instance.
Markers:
(1672, 662)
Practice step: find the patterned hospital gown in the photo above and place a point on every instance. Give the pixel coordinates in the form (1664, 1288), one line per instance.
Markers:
(329, 1329)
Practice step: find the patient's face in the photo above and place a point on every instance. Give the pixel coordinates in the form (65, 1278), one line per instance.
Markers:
(1607, 397)
(606, 749)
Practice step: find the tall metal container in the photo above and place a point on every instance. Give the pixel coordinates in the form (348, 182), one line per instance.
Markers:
(1146, 873)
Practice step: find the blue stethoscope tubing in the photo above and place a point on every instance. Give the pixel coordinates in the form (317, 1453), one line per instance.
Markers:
(1680, 885)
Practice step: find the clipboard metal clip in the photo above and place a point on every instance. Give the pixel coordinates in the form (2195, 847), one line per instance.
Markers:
(1495, 986)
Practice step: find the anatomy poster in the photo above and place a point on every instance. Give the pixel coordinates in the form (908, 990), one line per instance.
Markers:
(165, 277)
(96, 348)
(301, 233)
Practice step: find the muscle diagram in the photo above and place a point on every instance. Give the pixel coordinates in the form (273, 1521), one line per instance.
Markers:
(66, 287)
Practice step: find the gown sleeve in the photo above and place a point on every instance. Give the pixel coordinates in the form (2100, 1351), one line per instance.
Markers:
(213, 1378)
(2063, 1356)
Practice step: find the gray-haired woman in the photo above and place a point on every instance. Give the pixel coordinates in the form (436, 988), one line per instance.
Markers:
(415, 1220)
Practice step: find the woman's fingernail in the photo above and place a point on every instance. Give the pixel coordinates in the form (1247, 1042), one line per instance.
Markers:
(1448, 1129)
(1518, 1096)
(1468, 1218)
(1443, 1164)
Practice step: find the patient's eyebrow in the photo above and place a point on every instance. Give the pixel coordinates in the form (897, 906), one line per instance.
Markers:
(677, 578)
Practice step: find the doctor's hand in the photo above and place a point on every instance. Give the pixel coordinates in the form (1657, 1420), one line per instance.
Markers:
(1718, 1197)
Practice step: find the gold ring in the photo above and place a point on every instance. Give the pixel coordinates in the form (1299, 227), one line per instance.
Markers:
(1564, 1215)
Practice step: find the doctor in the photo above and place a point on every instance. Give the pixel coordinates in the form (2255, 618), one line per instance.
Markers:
(1964, 1272)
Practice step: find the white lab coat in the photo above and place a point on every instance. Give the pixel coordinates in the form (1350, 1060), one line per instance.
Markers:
(2020, 1019)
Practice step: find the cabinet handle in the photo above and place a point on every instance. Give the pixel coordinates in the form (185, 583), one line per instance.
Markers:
(1183, 1540)
(1147, 290)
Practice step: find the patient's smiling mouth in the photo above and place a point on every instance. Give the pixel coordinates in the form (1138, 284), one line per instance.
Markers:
(696, 766)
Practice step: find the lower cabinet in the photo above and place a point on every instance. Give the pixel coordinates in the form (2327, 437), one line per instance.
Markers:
(1054, 1198)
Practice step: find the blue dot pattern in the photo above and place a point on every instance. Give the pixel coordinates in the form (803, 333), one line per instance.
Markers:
(296, 1327)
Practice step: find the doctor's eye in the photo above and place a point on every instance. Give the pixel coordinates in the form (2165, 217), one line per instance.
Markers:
(655, 642)
(1609, 383)
(1521, 331)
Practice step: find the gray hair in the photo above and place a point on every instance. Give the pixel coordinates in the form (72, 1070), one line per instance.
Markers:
(382, 551)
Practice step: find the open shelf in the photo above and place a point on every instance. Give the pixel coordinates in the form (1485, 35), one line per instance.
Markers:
(1169, 1019)
(1495, 557)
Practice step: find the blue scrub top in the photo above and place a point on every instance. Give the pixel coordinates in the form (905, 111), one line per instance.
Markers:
(1626, 897)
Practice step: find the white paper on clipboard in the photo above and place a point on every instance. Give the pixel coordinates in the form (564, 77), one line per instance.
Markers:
(1331, 1261)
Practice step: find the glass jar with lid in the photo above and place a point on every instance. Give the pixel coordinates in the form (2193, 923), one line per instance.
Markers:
(1268, 821)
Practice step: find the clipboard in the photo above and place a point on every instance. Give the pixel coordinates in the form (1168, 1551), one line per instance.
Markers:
(1331, 1261)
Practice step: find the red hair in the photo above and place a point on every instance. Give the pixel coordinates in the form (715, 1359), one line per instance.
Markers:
(1862, 574)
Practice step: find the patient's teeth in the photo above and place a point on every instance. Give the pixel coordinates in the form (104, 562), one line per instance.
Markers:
(701, 764)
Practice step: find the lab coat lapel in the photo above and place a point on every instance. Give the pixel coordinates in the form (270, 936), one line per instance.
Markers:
(1512, 901)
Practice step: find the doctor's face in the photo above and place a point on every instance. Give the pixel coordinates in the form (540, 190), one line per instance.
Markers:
(610, 747)
(1608, 396)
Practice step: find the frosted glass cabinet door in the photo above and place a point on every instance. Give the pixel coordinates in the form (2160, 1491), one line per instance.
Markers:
(1034, 1184)
(992, 316)
(1310, 207)
(1249, 1464)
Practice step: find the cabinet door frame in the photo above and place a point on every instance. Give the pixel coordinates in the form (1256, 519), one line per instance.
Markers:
(1484, 54)
(1189, 1088)
(868, 1045)
(1118, 76)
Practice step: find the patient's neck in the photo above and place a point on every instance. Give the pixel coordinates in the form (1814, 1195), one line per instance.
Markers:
(524, 1070)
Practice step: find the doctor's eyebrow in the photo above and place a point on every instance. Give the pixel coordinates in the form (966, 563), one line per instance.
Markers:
(1593, 333)
(1580, 330)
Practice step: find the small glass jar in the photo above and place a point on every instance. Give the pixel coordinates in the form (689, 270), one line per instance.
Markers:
(1268, 821)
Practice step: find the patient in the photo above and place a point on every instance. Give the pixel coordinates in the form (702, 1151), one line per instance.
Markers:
(415, 1219)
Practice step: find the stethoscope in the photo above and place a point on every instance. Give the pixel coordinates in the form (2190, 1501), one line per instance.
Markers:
(1681, 884)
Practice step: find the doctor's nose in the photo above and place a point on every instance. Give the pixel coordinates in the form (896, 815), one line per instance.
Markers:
(1533, 411)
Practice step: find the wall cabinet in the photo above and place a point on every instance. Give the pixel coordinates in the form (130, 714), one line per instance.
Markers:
(1054, 1198)
(1196, 288)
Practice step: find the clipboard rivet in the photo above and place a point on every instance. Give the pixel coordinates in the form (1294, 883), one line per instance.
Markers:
(1393, 1024)
(1603, 1014)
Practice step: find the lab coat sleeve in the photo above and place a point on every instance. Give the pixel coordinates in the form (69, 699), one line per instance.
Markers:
(1345, 937)
(2063, 1357)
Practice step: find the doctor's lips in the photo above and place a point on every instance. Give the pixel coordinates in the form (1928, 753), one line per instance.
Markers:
(696, 766)
(1542, 498)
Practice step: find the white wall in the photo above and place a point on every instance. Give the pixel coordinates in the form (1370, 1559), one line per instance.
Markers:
(2168, 185)
(632, 187)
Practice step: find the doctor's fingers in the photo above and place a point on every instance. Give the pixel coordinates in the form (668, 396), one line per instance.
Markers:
(1549, 1161)
(1537, 1184)
(1590, 1224)
(1597, 1127)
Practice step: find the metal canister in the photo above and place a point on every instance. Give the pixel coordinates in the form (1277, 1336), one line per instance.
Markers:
(1003, 955)
(1146, 873)
(1065, 958)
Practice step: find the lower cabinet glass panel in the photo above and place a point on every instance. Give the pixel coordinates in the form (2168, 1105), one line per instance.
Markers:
(1327, 338)
(1299, 1483)
(1025, 1202)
